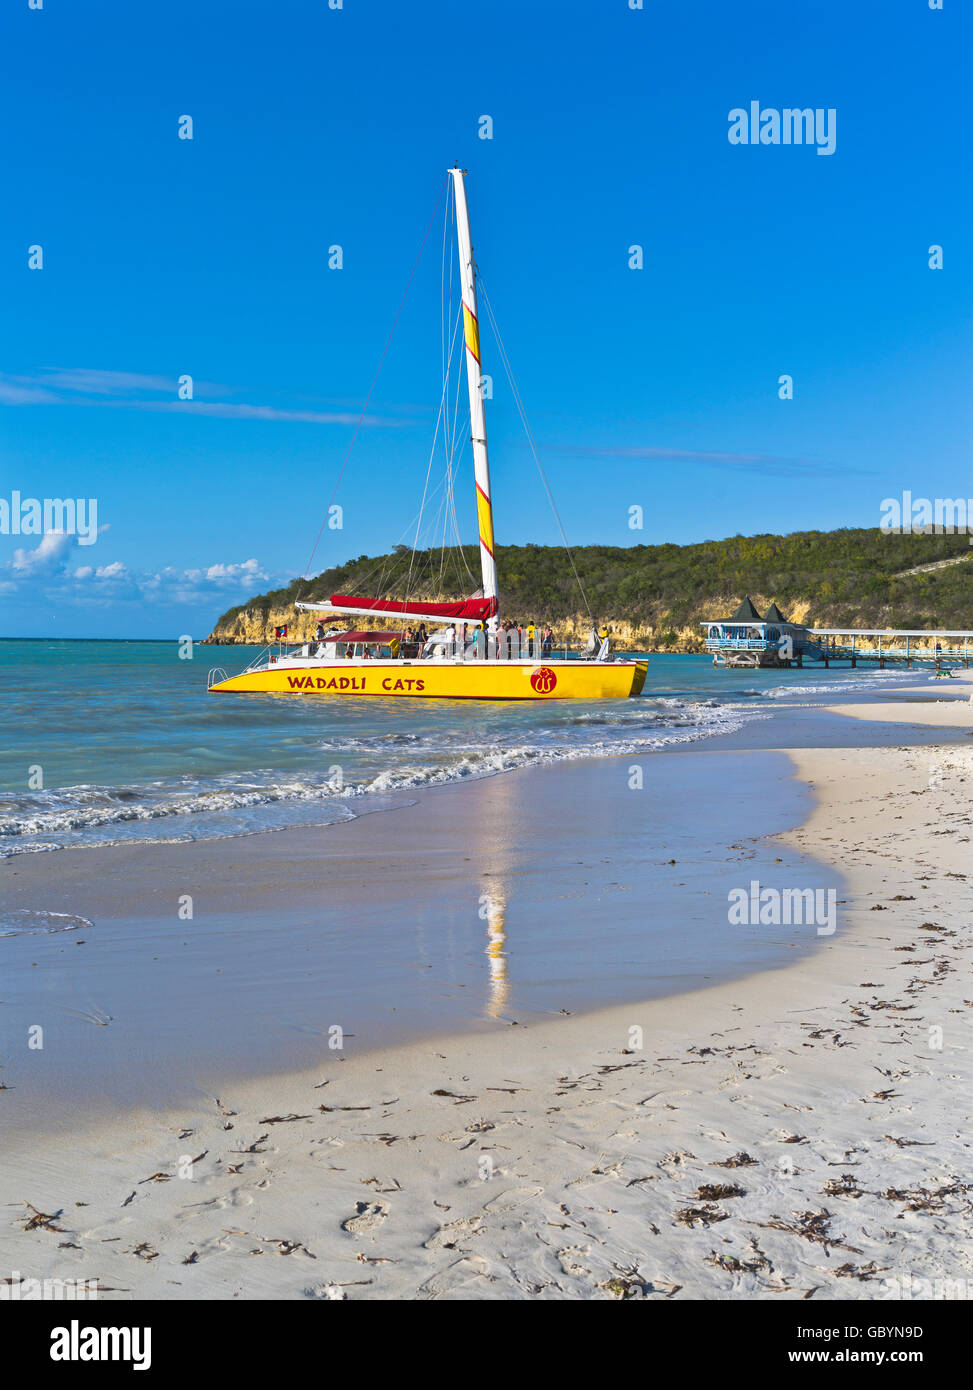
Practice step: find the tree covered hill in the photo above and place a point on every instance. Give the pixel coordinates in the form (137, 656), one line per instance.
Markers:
(659, 593)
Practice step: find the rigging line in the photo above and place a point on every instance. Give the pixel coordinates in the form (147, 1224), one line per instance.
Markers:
(448, 508)
(454, 461)
(450, 204)
(381, 565)
(449, 435)
(459, 540)
(530, 440)
(441, 418)
(443, 303)
(375, 378)
(432, 454)
(381, 569)
(449, 440)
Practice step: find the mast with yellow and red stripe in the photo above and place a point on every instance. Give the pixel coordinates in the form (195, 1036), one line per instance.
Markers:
(471, 330)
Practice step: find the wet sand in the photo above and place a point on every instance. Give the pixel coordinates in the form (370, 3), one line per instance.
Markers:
(541, 892)
(801, 1133)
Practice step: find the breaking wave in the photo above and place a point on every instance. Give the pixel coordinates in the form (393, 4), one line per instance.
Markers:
(26, 922)
(360, 771)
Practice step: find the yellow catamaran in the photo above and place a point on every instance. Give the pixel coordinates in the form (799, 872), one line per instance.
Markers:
(470, 656)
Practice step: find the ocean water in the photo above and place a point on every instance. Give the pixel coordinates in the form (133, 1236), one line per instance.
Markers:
(109, 742)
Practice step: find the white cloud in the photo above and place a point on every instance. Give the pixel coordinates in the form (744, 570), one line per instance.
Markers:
(49, 556)
(44, 571)
(250, 569)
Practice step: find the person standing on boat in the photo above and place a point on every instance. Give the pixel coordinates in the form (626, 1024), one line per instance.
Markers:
(319, 635)
(547, 641)
(421, 638)
(531, 633)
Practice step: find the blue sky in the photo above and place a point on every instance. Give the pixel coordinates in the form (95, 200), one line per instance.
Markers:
(314, 127)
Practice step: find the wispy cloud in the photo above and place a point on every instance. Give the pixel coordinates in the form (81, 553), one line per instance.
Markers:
(21, 391)
(226, 410)
(773, 464)
(93, 381)
(88, 386)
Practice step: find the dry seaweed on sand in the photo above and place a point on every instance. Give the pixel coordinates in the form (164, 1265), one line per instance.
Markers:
(706, 1215)
(850, 1271)
(43, 1219)
(924, 1198)
(718, 1191)
(844, 1186)
(810, 1225)
(734, 1265)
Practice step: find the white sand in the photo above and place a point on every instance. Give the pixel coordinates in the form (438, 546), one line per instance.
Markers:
(566, 1160)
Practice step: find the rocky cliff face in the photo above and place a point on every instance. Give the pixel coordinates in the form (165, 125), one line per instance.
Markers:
(255, 626)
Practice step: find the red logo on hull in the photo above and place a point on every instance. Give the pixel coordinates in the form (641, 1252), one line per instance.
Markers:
(543, 680)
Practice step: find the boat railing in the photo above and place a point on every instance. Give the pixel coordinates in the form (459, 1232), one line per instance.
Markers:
(500, 646)
(215, 675)
(506, 646)
(260, 660)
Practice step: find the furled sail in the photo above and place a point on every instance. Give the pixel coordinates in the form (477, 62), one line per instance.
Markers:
(470, 610)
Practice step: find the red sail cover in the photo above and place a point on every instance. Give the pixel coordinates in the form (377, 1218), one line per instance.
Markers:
(468, 609)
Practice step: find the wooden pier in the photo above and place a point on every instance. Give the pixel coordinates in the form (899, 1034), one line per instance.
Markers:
(891, 646)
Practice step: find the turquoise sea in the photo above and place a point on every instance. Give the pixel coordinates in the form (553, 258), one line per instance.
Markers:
(107, 742)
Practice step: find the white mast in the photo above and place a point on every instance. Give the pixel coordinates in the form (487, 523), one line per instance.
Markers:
(481, 464)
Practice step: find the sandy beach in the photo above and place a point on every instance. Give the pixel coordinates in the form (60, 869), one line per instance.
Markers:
(800, 1133)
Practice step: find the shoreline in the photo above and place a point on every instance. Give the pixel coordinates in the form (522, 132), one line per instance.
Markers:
(79, 813)
(472, 912)
(561, 1159)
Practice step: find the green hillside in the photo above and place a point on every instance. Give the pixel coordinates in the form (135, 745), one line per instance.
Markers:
(854, 578)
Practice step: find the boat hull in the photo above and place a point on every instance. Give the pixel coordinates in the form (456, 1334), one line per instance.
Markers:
(442, 680)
